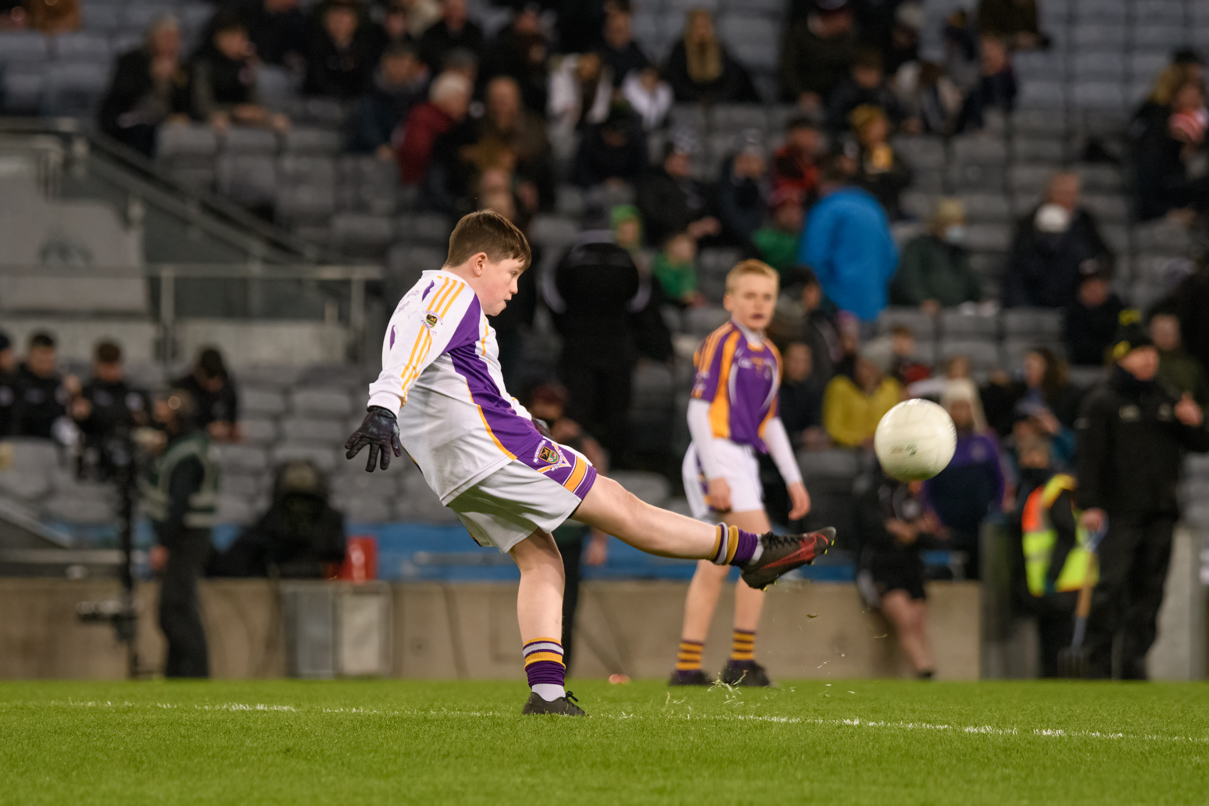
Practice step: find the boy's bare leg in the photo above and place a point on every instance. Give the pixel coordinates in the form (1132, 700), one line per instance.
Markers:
(613, 510)
(539, 600)
(910, 624)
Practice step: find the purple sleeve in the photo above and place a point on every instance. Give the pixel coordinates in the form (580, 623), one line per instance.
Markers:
(467, 331)
(708, 361)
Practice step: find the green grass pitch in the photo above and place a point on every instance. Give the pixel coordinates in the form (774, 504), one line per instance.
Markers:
(396, 742)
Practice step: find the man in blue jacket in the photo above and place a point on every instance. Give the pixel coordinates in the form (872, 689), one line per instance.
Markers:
(848, 244)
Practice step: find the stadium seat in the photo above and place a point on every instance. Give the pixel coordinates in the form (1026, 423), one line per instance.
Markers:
(274, 376)
(1151, 35)
(368, 510)
(1042, 94)
(700, 322)
(248, 140)
(831, 464)
(553, 232)
(249, 486)
(955, 325)
(978, 149)
(1033, 151)
(988, 237)
(261, 401)
(687, 117)
(1098, 66)
(235, 510)
(70, 509)
(1100, 178)
(321, 402)
(1035, 323)
(921, 152)
(424, 228)
(241, 458)
(983, 354)
(73, 89)
(247, 179)
(305, 430)
(1038, 123)
(257, 431)
(312, 140)
(27, 467)
(1092, 35)
(1098, 95)
(1162, 237)
(83, 47)
(1039, 64)
(737, 118)
(24, 47)
(986, 207)
(323, 457)
(361, 234)
(417, 502)
(22, 89)
(922, 325)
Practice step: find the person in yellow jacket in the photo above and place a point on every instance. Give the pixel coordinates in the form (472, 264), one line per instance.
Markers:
(1056, 563)
(852, 407)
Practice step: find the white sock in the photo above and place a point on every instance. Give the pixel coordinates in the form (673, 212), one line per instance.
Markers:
(549, 691)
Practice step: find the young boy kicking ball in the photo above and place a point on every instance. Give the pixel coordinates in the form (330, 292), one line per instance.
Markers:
(732, 418)
(442, 396)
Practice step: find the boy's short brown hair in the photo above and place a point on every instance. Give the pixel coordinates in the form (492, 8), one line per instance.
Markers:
(747, 267)
(489, 232)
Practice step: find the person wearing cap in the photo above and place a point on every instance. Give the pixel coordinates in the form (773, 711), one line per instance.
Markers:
(148, 88)
(742, 192)
(848, 244)
(179, 495)
(212, 392)
(1132, 437)
(614, 151)
(880, 169)
(1050, 246)
(1091, 322)
(852, 407)
(817, 54)
(671, 200)
(8, 394)
(935, 270)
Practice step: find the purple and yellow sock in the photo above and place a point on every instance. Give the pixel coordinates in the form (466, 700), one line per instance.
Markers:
(743, 646)
(688, 659)
(545, 668)
(733, 546)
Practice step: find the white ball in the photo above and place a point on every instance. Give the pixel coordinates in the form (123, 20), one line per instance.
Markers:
(915, 440)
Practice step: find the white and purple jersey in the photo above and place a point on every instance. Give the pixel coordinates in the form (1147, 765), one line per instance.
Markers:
(441, 376)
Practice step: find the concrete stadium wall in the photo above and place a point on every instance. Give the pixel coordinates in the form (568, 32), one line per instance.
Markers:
(443, 631)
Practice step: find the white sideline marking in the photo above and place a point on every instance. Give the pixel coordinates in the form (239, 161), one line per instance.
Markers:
(855, 722)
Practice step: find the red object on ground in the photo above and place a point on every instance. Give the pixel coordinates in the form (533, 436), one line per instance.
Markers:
(360, 560)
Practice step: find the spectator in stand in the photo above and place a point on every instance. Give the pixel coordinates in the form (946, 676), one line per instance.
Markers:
(675, 269)
(701, 70)
(935, 270)
(391, 30)
(852, 407)
(108, 408)
(40, 394)
(816, 55)
(454, 31)
(894, 526)
(222, 79)
(1014, 21)
(149, 88)
(520, 51)
(448, 100)
(801, 403)
(972, 486)
(1164, 152)
(880, 170)
(581, 93)
(1091, 322)
(620, 53)
(995, 89)
(1189, 302)
(215, 400)
(1042, 391)
(819, 330)
(903, 366)
(902, 43)
(865, 86)
(53, 17)
(742, 193)
(8, 379)
(649, 96)
(421, 14)
(507, 123)
(614, 151)
(593, 295)
(795, 164)
(342, 53)
(848, 244)
(626, 222)
(929, 96)
(399, 84)
(1051, 243)
(277, 30)
(671, 201)
(961, 60)
(1178, 371)
(777, 241)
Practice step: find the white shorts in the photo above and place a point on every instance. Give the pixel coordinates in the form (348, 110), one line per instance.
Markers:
(515, 501)
(740, 468)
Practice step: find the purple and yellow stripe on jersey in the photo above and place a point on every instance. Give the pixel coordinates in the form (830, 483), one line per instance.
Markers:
(443, 296)
(739, 379)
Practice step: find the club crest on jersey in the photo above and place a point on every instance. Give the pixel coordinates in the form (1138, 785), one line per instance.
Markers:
(548, 455)
(431, 319)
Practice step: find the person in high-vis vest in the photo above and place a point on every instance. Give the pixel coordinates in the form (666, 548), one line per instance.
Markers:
(179, 496)
(1056, 564)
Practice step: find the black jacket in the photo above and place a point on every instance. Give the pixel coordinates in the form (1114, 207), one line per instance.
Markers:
(1090, 331)
(8, 399)
(1131, 447)
(596, 161)
(295, 539)
(1043, 269)
(438, 40)
(669, 205)
(38, 402)
(594, 293)
(131, 84)
(341, 73)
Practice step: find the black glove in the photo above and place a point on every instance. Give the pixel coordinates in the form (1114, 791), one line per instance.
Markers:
(380, 431)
